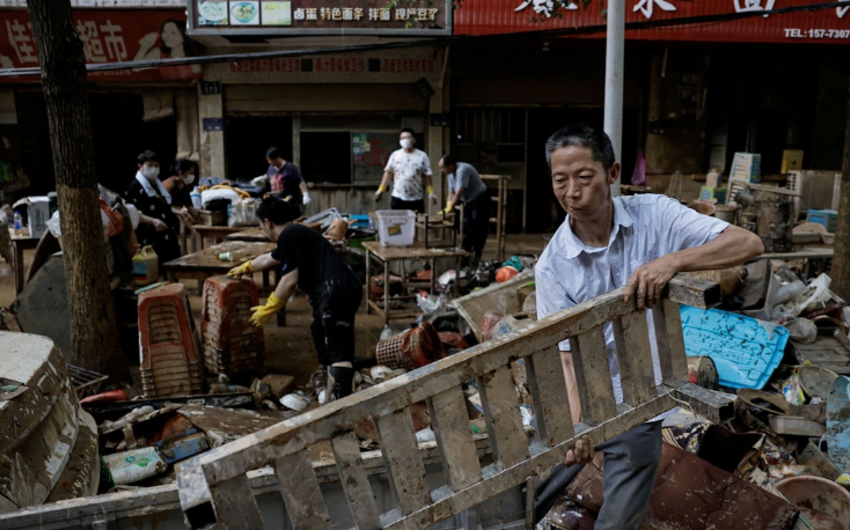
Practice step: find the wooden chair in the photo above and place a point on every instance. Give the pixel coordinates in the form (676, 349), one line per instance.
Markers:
(215, 490)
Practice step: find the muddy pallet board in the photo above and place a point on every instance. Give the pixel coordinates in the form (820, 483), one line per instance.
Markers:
(215, 487)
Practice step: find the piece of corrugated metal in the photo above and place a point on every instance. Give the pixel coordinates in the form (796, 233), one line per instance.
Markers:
(485, 17)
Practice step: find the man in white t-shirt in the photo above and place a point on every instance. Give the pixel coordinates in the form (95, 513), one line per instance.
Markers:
(410, 170)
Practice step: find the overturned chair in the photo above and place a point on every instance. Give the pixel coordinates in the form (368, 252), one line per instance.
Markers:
(215, 490)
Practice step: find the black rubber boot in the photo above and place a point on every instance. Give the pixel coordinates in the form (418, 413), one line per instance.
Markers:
(340, 382)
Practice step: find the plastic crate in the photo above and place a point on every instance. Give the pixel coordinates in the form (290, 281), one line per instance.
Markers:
(827, 218)
(745, 350)
(396, 228)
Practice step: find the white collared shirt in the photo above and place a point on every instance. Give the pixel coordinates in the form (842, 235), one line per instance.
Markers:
(646, 227)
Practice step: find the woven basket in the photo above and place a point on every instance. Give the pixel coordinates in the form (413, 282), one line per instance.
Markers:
(390, 353)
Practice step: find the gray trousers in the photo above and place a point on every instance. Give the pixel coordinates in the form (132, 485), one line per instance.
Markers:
(631, 464)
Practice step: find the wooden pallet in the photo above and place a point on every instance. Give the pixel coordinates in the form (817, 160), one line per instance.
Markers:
(215, 490)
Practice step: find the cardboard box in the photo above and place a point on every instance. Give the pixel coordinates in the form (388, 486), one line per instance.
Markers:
(707, 193)
(746, 167)
(38, 212)
(792, 160)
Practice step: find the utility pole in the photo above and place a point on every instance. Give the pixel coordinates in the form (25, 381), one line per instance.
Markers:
(614, 53)
(840, 272)
(94, 333)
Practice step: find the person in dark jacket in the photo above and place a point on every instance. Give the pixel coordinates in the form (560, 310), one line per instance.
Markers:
(308, 261)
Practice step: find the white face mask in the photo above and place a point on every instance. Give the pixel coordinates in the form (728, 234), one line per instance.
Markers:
(150, 172)
(188, 179)
(406, 143)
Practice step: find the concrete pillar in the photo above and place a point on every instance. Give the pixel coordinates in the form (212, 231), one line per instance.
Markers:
(212, 142)
(614, 53)
(438, 136)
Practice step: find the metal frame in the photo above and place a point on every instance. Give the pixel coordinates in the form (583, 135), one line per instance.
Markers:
(278, 31)
(215, 490)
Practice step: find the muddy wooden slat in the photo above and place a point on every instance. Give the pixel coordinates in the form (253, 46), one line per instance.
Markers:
(401, 452)
(450, 422)
(355, 482)
(235, 507)
(671, 344)
(256, 450)
(593, 374)
(504, 422)
(549, 392)
(301, 493)
(634, 357)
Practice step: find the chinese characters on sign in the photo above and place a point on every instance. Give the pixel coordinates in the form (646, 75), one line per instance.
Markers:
(545, 7)
(646, 7)
(331, 65)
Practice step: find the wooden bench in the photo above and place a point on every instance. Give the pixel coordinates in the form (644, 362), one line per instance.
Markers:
(214, 487)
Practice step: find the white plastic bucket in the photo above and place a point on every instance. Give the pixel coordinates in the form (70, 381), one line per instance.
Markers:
(396, 228)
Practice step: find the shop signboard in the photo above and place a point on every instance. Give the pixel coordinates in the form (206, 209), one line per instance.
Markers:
(109, 36)
(824, 26)
(320, 17)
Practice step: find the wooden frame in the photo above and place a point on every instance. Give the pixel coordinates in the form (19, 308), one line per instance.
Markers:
(214, 487)
(501, 201)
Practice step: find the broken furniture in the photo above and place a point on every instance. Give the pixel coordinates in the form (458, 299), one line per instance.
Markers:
(170, 357)
(501, 202)
(48, 444)
(231, 344)
(444, 226)
(215, 488)
(19, 245)
(387, 255)
(504, 298)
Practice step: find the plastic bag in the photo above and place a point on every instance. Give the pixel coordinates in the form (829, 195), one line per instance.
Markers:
(242, 213)
(802, 330)
(429, 303)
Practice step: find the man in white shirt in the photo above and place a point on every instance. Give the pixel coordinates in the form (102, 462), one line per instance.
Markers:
(410, 170)
(639, 242)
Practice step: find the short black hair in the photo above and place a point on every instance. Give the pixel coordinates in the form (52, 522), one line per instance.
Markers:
(275, 210)
(147, 156)
(449, 160)
(183, 165)
(408, 130)
(273, 153)
(582, 135)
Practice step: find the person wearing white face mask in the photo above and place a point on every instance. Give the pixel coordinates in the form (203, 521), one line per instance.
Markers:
(158, 225)
(179, 185)
(410, 171)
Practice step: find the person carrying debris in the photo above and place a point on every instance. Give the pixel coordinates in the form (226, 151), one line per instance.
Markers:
(409, 169)
(466, 186)
(605, 243)
(308, 261)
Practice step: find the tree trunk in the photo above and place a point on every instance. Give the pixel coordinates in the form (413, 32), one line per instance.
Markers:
(94, 334)
(841, 262)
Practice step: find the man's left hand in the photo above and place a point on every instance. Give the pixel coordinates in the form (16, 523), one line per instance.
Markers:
(434, 199)
(647, 283)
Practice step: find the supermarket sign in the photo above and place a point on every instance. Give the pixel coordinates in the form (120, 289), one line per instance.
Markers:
(319, 17)
(108, 36)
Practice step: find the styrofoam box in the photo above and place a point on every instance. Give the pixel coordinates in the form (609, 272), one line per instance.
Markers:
(396, 228)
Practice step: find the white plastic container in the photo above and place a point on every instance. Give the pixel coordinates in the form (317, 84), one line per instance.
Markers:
(396, 228)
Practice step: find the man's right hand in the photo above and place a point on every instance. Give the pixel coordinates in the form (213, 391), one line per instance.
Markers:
(241, 270)
(581, 453)
(159, 225)
(381, 190)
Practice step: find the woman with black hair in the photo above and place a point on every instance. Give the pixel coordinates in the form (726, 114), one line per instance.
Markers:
(179, 184)
(175, 44)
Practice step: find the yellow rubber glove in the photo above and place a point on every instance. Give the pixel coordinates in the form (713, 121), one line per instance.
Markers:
(245, 268)
(430, 190)
(263, 313)
(449, 208)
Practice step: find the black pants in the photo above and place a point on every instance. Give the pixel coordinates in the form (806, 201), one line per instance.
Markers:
(334, 305)
(416, 206)
(476, 224)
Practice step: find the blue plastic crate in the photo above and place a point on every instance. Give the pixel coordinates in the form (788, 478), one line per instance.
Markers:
(745, 350)
(361, 221)
(827, 218)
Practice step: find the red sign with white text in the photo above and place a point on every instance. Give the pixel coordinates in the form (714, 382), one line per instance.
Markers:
(485, 17)
(108, 36)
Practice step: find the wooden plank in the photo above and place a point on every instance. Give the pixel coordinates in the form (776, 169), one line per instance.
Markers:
(355, 482)
(549, 392)
(671, 343)
(401, 453)
(301, 493)
(631, 334)
(235, 507)
(254, 451)
(504, 422)
(717, 407)
(474, 495)
(450, 422)
(590, 358)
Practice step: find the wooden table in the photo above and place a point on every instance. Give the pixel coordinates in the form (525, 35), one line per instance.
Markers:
(216, 233)
(816, 254)
(386, 255)
(19, 244)
(249, 234)
(205, 263)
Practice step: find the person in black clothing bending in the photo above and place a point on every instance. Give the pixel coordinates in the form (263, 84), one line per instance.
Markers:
(308, 261)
